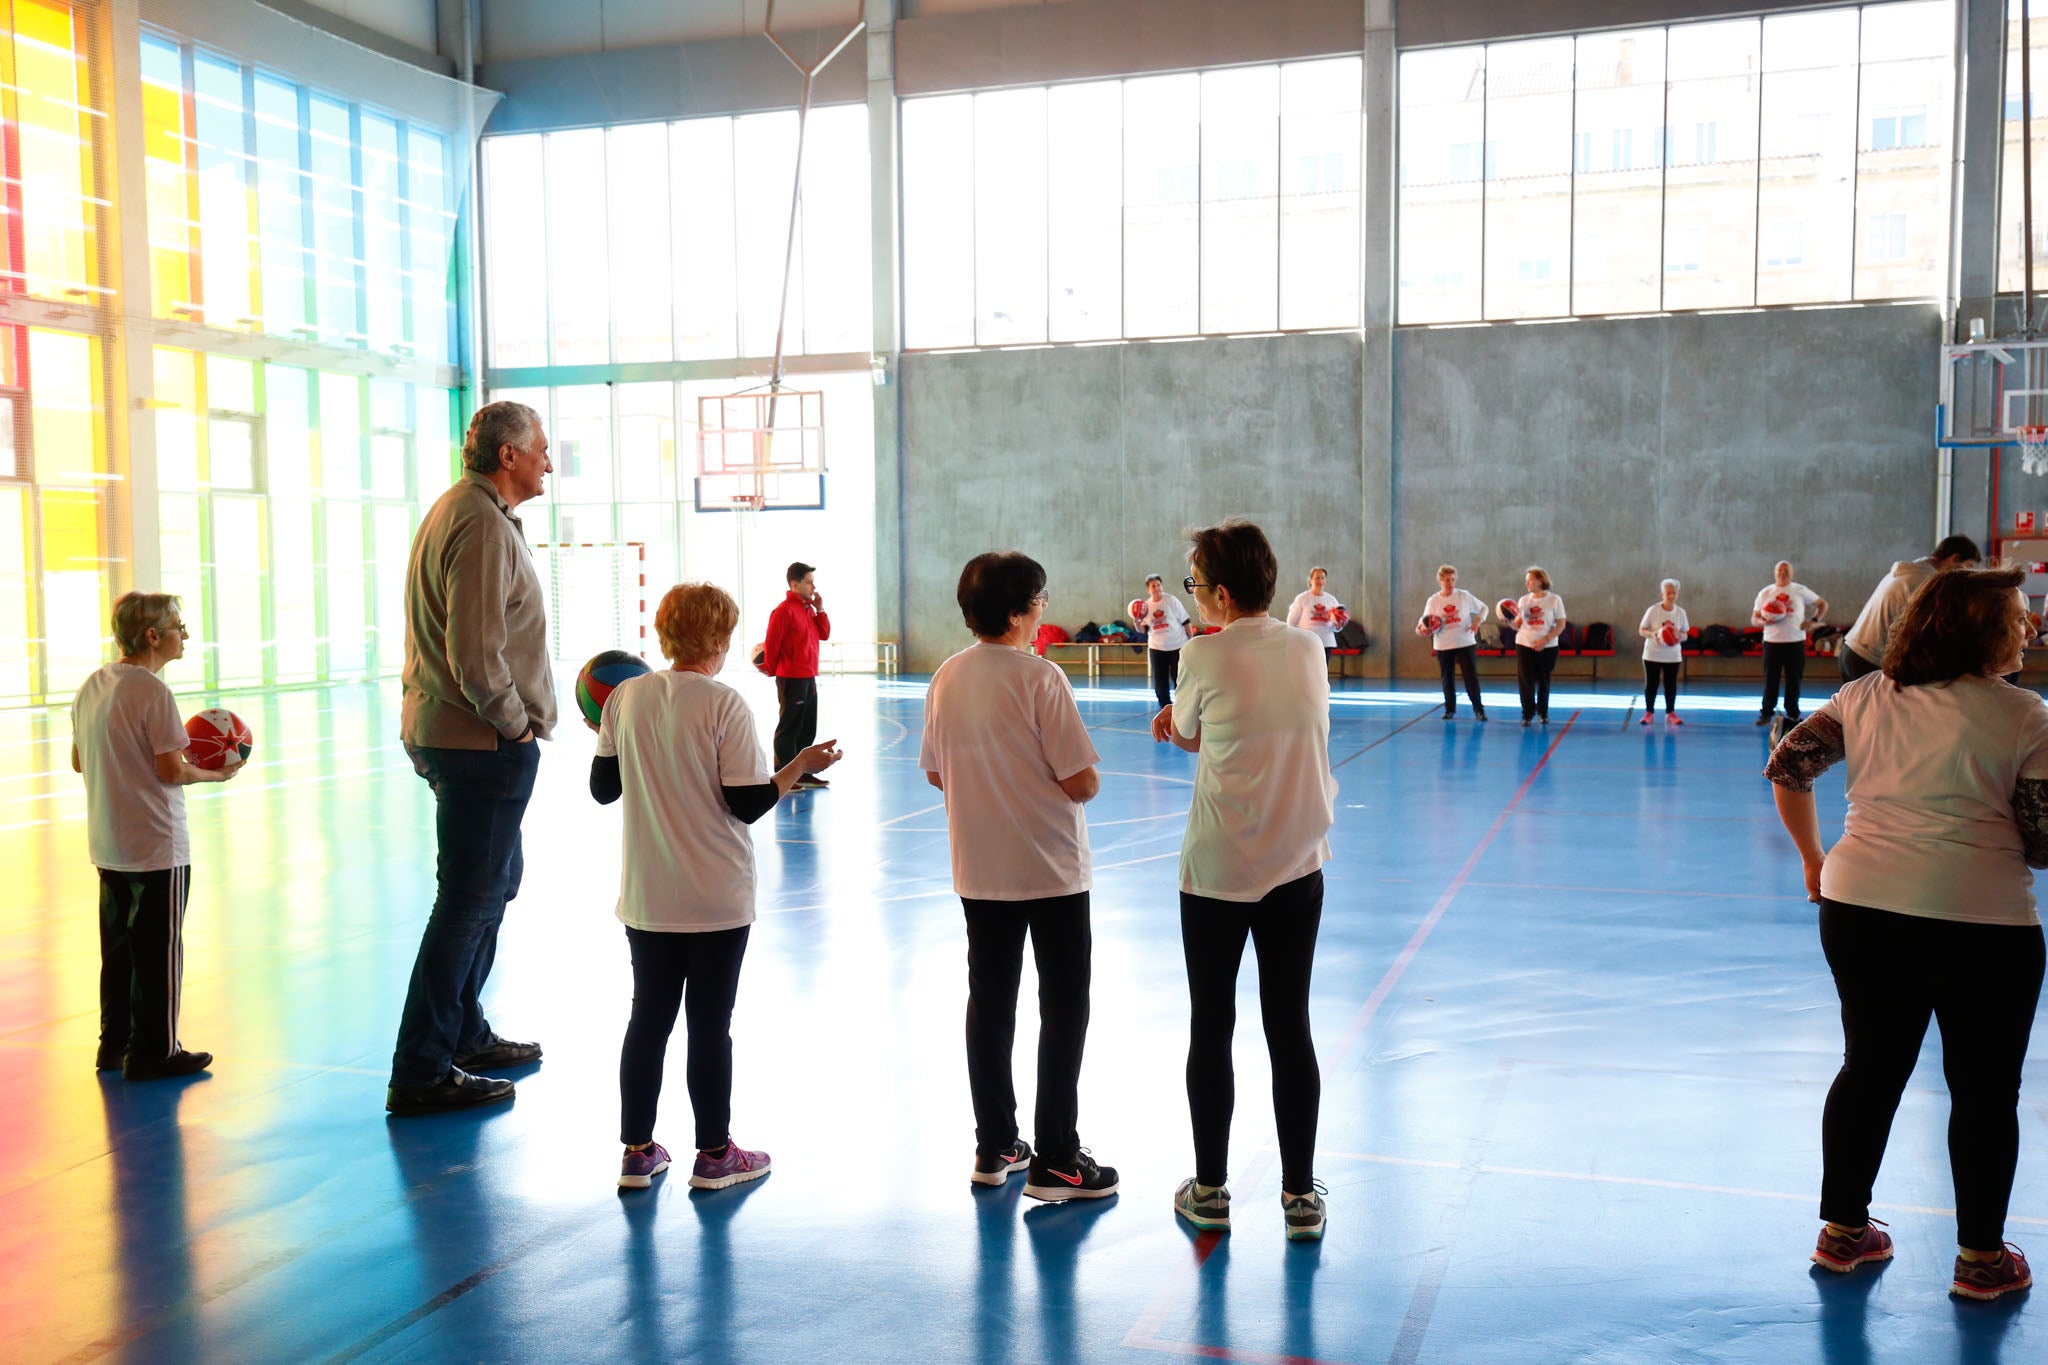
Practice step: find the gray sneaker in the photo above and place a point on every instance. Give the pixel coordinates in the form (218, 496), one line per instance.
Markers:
(1305, 1214)
(1208, 1212)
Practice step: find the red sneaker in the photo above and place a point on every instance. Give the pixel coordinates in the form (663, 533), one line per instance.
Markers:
(1989, 1280)
(1671, 718)
(1647, 718)
(1843, 1252)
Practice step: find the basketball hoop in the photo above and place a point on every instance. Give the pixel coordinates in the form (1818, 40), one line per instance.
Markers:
(2033, 448)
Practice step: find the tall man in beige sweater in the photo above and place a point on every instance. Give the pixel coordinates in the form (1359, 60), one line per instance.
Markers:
(479, 695)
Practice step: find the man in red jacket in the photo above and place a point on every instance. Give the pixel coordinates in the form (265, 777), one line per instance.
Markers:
(794, 630)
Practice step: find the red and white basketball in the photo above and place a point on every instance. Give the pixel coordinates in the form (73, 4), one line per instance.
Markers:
(1668, 633)
(759, 656)
(218, 737)
(1138, 612)
(1775, 609)
(1340, 617)
(1507, 610)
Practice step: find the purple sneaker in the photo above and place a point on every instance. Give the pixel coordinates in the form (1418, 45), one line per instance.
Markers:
(638, 1170)
(735, 1165)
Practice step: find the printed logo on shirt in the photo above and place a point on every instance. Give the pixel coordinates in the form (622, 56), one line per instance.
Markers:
(1533, 616)
(1450, 613)
(1318, 613)
(1159, 618)
(1784, 600)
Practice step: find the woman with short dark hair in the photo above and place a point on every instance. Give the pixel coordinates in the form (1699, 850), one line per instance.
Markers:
(1004, 741)
(1254, 703)
(1927, 908)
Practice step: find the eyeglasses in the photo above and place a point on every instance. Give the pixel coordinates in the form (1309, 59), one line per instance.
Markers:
(1043, 597)
(1190, 584)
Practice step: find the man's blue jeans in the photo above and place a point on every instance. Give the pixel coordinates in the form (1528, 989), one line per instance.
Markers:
(480, 796)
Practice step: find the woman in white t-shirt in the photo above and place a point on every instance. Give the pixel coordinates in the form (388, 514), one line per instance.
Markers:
(1663, 629)
(1165, 623)
(1451, 619)
(1539, 621)
(131, 748)
(1317, 612)
(1786, 610)
(1927, 905)
(1004, 741)
(680, 747)
(1254, 703)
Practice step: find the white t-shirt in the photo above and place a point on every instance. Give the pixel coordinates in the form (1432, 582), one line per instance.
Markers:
(1462, 615)
(1654, 620)
(1931, 774)
(123, 717)
(1789, 629)
(1001, 730)
(1258, 694)
(1312, 612)
(1542, 620)
(1165, 622)
(1872, 633)
(688, 865)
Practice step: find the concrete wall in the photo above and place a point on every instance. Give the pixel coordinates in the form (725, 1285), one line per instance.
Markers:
(1094, 460)
(1612, 452)
(1704, 447)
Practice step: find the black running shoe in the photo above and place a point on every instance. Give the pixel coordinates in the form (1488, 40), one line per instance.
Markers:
(995, 1169)
(1078, 1177)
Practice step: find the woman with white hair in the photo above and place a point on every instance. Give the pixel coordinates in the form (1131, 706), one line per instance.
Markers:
(1664, 629)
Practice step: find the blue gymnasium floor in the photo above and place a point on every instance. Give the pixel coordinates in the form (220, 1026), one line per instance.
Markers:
(1574, 1024)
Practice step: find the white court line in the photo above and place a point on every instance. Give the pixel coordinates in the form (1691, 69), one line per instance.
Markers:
(1644, 1182)
(1150, 777)
(911, 814)
(1133, 862)
(870, 900)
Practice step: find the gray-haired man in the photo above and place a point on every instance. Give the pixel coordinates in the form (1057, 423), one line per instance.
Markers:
(478, 695)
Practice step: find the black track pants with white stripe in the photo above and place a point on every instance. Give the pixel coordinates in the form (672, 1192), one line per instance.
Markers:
(142, 961)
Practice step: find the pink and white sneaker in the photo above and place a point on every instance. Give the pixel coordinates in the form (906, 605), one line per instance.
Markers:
(735, 1165)
(638, 1169)
(1842, 1252)
(1987, 1280)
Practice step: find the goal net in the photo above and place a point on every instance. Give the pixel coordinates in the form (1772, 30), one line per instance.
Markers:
(596, 596)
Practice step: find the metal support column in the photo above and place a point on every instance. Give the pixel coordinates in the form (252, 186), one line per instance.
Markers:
(886, 257)
(1376, 456)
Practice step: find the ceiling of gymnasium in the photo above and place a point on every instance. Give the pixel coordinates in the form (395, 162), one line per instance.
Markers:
(519, 29)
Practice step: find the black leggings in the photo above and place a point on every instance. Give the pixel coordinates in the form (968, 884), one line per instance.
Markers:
(1533, 668)
(1061, 945)
(663, 963)
(1460, 660)
(1282, 928)
(1656, 672)
(1165, 665)
(1980, 982)
(1788, 659)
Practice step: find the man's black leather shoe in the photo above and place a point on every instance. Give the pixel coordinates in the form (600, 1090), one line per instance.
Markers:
(457, 1090)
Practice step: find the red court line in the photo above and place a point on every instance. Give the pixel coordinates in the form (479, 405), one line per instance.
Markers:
(1371, 1007)
(1144, 1335)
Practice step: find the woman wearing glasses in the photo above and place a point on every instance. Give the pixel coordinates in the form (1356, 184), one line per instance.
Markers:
(131, 748)
(1254, 703)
